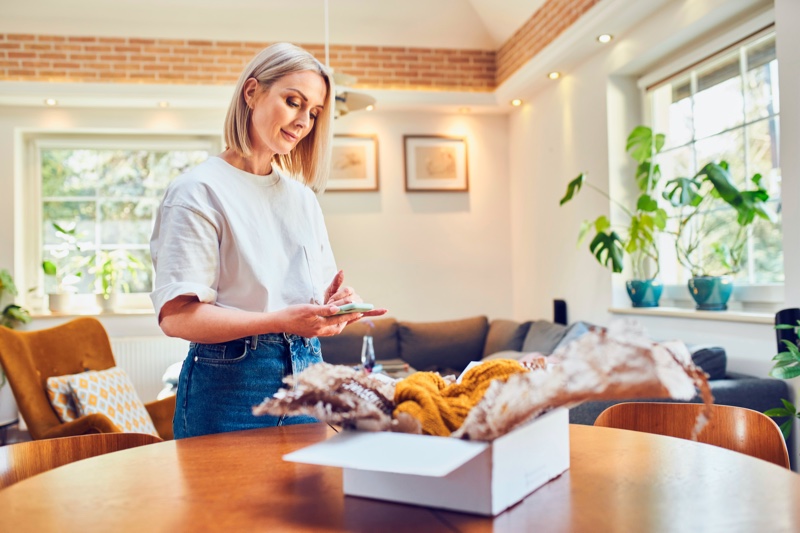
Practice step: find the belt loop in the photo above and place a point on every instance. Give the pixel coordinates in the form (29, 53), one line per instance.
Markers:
(254, 341)
(286, 337)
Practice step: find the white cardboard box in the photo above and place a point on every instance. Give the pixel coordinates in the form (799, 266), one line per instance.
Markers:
(474, 477)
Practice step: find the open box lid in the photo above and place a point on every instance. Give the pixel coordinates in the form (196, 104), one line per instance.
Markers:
(398, 453)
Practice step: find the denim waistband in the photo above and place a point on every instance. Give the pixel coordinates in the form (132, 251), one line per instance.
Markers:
(280, 338)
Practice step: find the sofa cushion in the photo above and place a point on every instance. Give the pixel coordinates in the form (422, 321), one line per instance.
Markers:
(574, 331)
(505, 335)
(711, 359)
(443, 346)
(345, 348)
(543, 337)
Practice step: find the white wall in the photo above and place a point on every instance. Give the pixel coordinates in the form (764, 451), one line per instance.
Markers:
(428, 256)
(425, 256)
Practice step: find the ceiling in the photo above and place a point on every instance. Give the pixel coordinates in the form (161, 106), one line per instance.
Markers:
(475, 24)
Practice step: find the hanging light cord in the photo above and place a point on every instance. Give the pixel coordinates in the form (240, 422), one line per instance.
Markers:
(327, 55)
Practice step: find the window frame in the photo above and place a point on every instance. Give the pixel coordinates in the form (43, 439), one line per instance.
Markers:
(746, 297)
(28, 201)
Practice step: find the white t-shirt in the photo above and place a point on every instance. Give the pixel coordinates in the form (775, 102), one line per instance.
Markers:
(240, 240)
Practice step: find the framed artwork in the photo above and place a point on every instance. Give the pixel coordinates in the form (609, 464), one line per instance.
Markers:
(354, 163)
(435, 163)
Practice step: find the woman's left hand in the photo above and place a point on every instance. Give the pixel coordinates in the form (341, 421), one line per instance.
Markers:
(337, 294)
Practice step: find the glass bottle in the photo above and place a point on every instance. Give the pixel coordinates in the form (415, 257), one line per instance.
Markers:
(367, 354)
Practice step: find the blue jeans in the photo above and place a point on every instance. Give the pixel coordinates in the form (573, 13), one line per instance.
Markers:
(220, 383)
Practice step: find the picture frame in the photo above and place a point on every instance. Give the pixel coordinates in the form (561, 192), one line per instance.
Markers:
(354, 163)
(435, 163)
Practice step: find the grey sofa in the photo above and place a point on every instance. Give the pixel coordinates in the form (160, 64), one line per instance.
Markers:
(448, 347)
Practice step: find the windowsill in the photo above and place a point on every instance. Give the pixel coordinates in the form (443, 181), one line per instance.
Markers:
(44, 313)
(676, 312)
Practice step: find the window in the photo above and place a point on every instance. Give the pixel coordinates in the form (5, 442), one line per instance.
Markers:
(98, 196)
(727, 108)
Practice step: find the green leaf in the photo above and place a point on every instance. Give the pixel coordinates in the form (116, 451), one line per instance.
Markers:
(785, 326)
(49, 268)
(646, 203)
(660, 219)
(573, 188)
(601, 224)
(789, 406)
(585, 227)
(644, 179)
(684, 192)
(793, 349)
(783, 356)
(608, 249)
(778, 412)
(787, 372)
(641, 145)
(786, 429)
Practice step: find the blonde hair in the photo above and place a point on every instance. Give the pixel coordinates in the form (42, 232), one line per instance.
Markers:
(310, 160)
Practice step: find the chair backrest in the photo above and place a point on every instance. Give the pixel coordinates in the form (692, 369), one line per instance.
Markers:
(26, 459)
(30, 357)
(735, 428)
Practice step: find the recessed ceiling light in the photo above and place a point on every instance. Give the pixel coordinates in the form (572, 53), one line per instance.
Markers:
(51, 101)
(516, 102)
(554, 75)
(370, 107)
(605, 38)
(163, 103)
(464, 110)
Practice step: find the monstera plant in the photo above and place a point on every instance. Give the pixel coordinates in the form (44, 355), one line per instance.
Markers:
(637, 234)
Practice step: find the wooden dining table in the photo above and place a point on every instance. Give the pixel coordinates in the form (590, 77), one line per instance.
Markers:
(618, 481)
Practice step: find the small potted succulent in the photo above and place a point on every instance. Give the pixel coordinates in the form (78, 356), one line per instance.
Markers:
(638, 235)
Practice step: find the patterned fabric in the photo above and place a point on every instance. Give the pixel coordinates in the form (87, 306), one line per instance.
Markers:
(110, 392)
(61, 398)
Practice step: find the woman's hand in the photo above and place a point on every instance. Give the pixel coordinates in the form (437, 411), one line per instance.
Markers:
(308, 320)
(337, 294)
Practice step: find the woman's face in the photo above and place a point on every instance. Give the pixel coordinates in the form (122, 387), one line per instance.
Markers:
(286, 112)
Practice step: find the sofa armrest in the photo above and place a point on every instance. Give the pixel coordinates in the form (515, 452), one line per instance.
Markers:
(93, 423)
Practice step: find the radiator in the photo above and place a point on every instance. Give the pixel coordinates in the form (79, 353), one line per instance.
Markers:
(146, 358)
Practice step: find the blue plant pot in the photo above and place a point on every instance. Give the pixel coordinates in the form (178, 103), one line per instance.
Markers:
(711, 293)
(644, 292)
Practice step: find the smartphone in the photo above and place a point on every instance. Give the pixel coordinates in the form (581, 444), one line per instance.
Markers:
(355, 308)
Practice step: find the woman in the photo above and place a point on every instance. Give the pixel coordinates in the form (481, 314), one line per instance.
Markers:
(241, 252)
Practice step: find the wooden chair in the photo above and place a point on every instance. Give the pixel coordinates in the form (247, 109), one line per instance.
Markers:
(30, 357)
(25, 459)
(735, 428)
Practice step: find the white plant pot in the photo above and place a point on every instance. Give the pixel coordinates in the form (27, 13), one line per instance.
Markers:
(59, 302)
(8, 406)
(106, 305)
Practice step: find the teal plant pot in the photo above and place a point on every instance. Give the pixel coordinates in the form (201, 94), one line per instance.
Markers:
(711, 293)
(644, 292)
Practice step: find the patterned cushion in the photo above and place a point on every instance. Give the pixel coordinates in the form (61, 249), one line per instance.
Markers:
(110, 392)
(61, 398)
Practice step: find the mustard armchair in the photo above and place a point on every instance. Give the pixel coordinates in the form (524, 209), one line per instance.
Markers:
(30, 357)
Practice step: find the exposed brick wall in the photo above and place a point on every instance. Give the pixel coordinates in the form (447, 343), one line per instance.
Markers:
(541, 29)
(174, 61)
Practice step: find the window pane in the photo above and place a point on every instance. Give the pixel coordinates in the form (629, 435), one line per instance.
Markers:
(767, 249)
(126, 173)
(762, 79)
(127, 222)
(718, 104)
(141, 280)
(719, 227)
(676, 163)
(673, 112)
(67, 173)
(762, 153)
(724, 147)
(69, 215)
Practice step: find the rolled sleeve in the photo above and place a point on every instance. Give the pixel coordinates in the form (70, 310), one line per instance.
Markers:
(185, 252)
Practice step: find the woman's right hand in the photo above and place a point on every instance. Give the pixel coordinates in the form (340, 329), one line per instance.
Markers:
(308, 320)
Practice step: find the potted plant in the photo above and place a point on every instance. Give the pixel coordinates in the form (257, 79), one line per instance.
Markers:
(66, 267)
(703, 205)
(12, 316)
(110, 265)
(787, 366)
(638, 236)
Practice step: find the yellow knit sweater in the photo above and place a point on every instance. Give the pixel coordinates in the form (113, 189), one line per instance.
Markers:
(442, 408)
